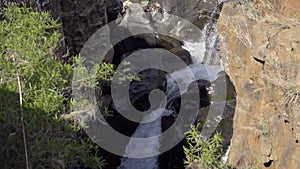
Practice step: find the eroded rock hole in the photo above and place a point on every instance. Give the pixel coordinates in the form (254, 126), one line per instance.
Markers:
(268, 164)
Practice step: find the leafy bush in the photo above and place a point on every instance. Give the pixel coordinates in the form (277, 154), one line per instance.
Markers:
(95, 80)
(32, 134)
(203, 153)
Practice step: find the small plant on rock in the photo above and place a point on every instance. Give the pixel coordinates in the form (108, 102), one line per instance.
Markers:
(202, 153)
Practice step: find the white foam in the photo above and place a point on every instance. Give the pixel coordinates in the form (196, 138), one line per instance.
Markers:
(196, 49)
(136, 148)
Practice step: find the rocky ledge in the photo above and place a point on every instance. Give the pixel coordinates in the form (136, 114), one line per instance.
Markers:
(260, 42)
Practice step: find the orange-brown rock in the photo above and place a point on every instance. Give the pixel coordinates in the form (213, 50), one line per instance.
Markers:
(288, 8)
(261, 54)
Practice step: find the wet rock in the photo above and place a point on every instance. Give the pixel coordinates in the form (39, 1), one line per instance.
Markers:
(168, 42)
(212, 53)
(182, 54)
(222, 88)
(139, 90)
(80, 20)
(196, 11)
(135, 20)
(114, 8)
(218, 117)
(130, 45)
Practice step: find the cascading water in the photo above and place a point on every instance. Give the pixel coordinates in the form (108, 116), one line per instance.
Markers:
(145, 130)
(206, 66)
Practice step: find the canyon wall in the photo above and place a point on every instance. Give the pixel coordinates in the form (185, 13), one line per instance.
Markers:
(260, 42)
(79, 19)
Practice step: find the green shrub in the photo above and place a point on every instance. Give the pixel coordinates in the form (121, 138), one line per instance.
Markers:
(32, 134)
(202, 153)
(86, 81)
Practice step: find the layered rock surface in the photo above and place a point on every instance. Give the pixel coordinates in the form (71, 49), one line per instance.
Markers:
(261, 53)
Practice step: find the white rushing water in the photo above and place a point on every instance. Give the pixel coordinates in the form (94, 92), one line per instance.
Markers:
(200, 71)
(145, 130)
(200, 55)
(196, 50)
(225, 157)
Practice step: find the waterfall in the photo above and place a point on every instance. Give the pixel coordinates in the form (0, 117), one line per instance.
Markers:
(153, 128)
(200, 71)
(208, 43)
(206, 66)
(225, 156)
(145, 130)
(196, 50)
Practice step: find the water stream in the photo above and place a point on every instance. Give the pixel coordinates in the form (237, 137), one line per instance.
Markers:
(206, 65)
(145, 130)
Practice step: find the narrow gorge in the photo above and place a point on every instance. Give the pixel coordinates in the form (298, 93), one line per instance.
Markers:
(235, 71)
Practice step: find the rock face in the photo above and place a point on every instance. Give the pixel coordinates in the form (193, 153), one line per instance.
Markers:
(196, 11)
(261, 47)
(79, 19)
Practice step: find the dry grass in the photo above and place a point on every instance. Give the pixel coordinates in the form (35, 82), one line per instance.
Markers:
(265, 11)
(267, 6)
(280, 80)
(292, 96)
(240, 29)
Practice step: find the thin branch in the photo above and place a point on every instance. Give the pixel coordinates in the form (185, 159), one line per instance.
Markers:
(22, 114)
